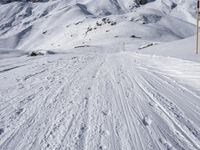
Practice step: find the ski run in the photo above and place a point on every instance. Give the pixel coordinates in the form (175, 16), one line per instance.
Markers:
(99, 101)
(99, 75)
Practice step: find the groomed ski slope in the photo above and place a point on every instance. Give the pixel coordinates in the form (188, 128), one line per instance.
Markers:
(114, 75)
(93, 101)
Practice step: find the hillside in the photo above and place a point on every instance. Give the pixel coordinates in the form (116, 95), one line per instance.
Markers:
(99, 75)
(33, 26)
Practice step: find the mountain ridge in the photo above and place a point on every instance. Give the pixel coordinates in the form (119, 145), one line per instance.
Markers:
(25, 22)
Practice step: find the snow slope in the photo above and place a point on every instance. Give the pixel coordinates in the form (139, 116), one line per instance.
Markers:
(99, 101)
(33, 26)
(183, 49)
(110, 75)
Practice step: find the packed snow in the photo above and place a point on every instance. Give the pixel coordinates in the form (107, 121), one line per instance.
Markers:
(99, 75)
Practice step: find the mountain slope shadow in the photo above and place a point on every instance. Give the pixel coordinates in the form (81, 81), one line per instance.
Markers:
(84, 9)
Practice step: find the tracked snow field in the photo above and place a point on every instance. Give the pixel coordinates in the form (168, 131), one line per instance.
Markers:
(87, 101)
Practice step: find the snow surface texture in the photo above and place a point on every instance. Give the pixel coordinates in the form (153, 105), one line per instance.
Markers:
(99, 75)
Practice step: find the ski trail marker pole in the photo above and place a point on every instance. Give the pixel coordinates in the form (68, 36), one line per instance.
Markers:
(197, 36)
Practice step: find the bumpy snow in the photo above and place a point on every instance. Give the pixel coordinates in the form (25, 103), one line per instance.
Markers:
(99, 75)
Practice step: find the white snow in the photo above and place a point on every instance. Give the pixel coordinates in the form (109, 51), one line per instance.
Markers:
(147, 120)
(109, 74)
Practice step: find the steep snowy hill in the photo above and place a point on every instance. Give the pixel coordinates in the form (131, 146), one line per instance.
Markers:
(99, 75)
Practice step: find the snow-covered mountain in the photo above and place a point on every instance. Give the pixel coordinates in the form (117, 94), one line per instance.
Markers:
(65, 23)
(99, 75)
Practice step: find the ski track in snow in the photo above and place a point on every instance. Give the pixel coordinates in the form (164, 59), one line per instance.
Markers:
(97, 101)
